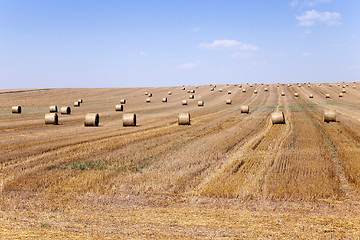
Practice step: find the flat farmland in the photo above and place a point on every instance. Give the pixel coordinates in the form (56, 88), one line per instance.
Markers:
(226, 175)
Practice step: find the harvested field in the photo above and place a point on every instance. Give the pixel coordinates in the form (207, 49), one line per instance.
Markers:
(226, 176)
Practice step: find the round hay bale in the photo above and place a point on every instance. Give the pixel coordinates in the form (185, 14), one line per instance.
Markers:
(288, 85)
(244, 90)
(220, 90)
(77, 104)
(278, 117)
(51, 118)
(255, 91)
(341, 94)
(296, 94)
(188, 91)
(347, 84)
(299, 85)
(146, 93)
(149, 94)
(184, 102)
(354, 86)
(80, 100)
(309, 85)
(227, 84)
(119, 107)
(65, 110)
(229, 92)
(183, 88)
(338, 84)
(244, 108)
(148, 100)
(343, 86)
(240, 86)
(329, 116)
(53, 108)
(164, 99)
(169, 93)
(122, 101)
(343, 91)
(228, 101)
(16, 109)
(327, 95)
(91, 120)
(282, 93)
(192, 91)
(200, 103)
(250, 85)
(212, 89)
(191, 97)
(129, 119)
(266, 89)
(311, 96)
(319, 84)
(330, 85)
(184, 118)
(196, 87)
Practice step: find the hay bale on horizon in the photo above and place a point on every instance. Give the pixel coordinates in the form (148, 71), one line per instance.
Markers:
(52, 118)
(244, 108)
(16, 109)
(129, 120)
(119, 107)
(65, 110)
(278, 117)
(329, 116)
(53, 109)
(92, 120)
(184, 119)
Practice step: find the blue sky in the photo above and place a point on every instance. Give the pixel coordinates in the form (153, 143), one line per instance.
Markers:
(84, 43)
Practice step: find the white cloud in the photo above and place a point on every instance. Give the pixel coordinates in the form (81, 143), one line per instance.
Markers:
(307, 3)
(228, 44)
(195, 29)
(258, 63)
(305, 54)
(242, 54)
(310, 18)
(353, 67)
(142, 53)
(305, 33)
(189, 65)
(336, 45)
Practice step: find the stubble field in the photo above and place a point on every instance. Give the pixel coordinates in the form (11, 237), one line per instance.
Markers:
(227, 175)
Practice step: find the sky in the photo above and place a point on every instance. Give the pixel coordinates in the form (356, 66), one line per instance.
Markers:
(119, 43)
